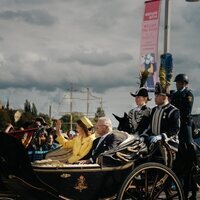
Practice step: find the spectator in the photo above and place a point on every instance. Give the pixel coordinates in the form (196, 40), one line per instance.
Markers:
(40, 141)
(50, 143)
(39, 121)
(71, 134)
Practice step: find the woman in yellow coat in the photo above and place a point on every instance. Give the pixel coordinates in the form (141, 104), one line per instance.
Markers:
(82, 143)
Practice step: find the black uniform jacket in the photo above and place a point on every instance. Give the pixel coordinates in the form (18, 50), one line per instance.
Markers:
(165, 119)
(183, 100)
(141, 118)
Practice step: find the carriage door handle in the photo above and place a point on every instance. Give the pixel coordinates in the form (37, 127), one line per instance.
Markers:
(65, 175)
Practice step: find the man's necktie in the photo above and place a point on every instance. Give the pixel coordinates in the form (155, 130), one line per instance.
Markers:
(101, 139)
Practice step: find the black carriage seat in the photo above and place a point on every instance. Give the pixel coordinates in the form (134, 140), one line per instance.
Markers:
(130, 138)
(125, 152)
(121, 136)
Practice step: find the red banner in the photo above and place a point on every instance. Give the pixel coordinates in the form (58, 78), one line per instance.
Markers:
(149, 41)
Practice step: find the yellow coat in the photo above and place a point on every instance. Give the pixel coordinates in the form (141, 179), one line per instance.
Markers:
(80, 146)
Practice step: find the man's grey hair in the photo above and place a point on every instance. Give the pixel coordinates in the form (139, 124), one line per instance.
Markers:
(107, 122)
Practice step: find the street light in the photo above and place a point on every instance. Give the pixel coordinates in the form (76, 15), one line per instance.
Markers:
(192, 0)
(167, 26)
(167, 23)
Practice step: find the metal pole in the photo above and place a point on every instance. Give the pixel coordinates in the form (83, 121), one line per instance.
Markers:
(101, 103)
(192, 0)
(71, 91)
(167, 26)
(88, 96)
(71, 121)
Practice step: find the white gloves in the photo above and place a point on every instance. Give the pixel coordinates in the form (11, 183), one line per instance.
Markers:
(154, 139)
(141, 139)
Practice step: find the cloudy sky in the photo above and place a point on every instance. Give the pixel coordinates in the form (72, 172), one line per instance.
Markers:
(48, 45)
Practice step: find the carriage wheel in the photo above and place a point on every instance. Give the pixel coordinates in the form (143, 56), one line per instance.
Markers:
(151, 181)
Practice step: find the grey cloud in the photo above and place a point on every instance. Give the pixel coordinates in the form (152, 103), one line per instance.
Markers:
(197, 92)
(36, 17)
(102, 79)
(45, 77)
(184, 62)
(192, 18)
(97, 59)
(30, 1)
(117, 16)
(28, 83)
(17, 2)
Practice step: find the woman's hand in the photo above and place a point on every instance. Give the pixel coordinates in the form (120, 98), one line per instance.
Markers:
(58, 127)
(83, 162)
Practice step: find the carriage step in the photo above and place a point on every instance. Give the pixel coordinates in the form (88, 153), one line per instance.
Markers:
(8, 195)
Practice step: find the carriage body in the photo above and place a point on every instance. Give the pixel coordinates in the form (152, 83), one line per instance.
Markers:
(85, 181)
(116, 172)
(103, 180)
(89, 181)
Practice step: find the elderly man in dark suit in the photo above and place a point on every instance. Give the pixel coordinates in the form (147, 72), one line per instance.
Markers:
(106, 141)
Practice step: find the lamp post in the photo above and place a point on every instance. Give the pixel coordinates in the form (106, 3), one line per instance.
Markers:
(167, 24)
(192, 0)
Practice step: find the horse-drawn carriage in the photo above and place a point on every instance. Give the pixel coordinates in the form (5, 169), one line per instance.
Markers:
(125, 172)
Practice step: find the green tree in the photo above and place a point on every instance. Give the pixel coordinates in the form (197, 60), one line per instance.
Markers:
(34, 110)
(7, 104)
(5, 119)
(27, 106)
(99, 113)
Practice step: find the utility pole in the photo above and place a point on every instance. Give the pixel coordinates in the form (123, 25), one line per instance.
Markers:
(101, 103)
(88, 99)
(71, 96)
(71, 99)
